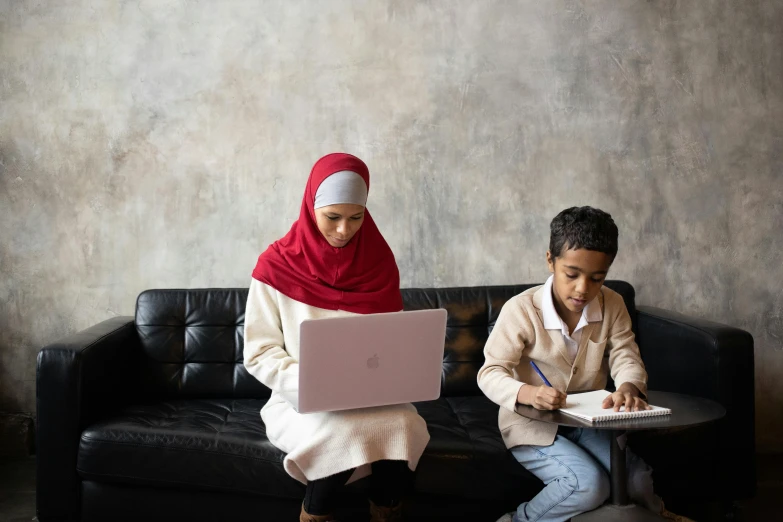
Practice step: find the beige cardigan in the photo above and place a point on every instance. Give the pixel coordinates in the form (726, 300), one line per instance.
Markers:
(519, 336)
(318, 445)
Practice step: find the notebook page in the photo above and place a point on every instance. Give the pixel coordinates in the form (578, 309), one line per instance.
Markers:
(587, 406)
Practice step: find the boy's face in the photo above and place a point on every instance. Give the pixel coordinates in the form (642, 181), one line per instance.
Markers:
(579, 275)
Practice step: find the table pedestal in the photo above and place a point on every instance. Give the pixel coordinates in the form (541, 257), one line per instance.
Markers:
(620, 509)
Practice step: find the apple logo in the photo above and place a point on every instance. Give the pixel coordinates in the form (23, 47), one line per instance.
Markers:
(373, 362)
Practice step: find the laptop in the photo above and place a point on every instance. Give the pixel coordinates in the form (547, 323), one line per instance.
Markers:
(370, 360)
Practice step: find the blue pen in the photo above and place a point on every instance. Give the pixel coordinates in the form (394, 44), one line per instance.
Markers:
(540, 374)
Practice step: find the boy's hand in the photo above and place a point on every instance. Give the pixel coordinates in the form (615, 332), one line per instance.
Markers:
(541, 397)
(626, 395)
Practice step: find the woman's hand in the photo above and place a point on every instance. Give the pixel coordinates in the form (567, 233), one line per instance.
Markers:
(626, 395)
(541, 397)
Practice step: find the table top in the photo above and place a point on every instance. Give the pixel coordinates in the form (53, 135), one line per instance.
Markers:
(687, 410)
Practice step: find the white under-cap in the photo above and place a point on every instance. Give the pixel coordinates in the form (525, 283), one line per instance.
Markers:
(340, 188)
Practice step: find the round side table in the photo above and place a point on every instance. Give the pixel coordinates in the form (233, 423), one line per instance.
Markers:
(687, 411)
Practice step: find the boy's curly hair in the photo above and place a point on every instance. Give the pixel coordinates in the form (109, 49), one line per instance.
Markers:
(583, 227)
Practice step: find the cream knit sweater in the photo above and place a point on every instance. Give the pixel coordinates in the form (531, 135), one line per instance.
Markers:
(318, 444)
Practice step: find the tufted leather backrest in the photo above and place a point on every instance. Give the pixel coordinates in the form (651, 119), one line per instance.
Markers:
(193, 339)
(472, 312)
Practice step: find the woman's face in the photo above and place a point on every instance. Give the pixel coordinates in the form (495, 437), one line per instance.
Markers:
(339, 223)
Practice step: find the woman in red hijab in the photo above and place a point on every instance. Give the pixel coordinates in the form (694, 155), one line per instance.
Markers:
(333, 262)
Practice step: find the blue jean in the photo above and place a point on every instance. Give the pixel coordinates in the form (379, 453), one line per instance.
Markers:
(575, 469)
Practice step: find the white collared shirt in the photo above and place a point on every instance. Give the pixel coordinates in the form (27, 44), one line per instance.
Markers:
(552, 320)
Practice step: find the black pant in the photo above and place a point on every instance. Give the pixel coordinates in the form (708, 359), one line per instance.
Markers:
(389, 481)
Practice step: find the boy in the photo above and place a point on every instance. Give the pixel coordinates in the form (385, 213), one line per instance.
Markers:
(576, 331)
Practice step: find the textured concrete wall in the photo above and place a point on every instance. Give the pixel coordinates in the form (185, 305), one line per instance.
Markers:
(165, 144)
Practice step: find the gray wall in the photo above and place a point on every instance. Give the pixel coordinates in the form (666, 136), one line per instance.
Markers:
(165, 144)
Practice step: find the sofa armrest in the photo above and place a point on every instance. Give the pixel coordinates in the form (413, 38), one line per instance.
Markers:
(78, 379)
(711, 360)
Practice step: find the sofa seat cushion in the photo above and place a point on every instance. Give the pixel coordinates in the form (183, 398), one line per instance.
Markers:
(211, 444)
(222, 445)
(466, 455)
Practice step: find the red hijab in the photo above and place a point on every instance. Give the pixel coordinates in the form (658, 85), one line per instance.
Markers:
(361, 277)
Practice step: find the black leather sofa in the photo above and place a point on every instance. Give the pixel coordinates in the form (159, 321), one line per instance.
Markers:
(155, 417)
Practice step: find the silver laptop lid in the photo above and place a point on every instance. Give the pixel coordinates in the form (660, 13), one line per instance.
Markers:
(370, 360)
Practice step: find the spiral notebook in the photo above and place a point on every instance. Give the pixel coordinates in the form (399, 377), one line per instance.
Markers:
(587, 406)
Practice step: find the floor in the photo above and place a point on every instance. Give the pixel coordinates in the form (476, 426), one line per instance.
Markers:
(764, 506)
(17, 491)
